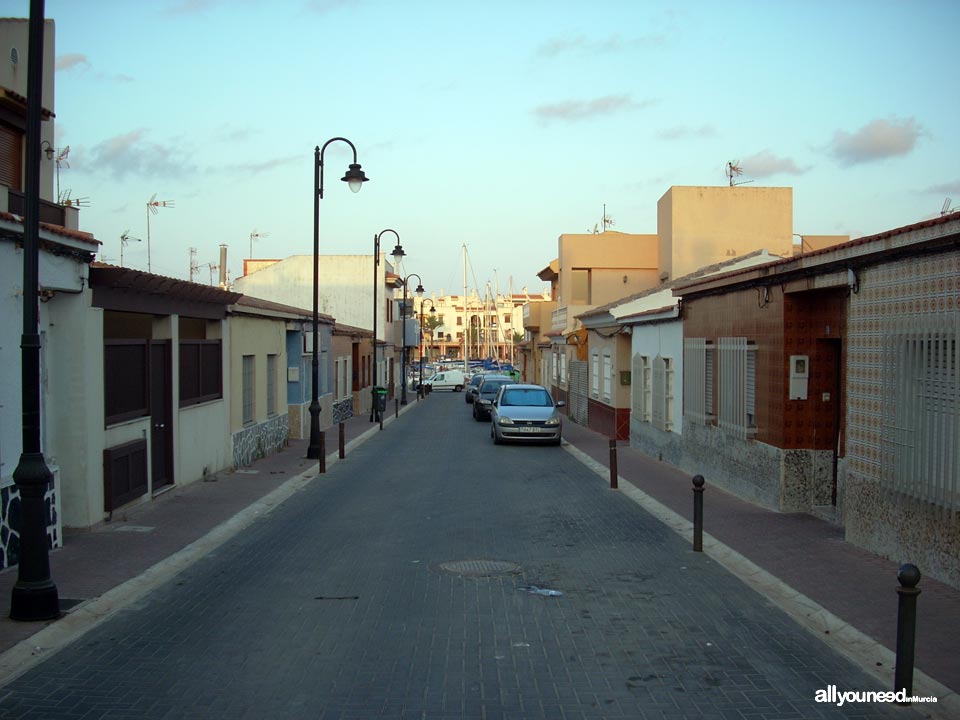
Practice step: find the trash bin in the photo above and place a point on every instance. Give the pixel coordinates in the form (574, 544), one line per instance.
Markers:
(381, 395)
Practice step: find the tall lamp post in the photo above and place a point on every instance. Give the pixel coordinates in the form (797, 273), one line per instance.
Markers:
(34, 596)
(355, 178)
(397, 254)
(403, 333)
(433, 311)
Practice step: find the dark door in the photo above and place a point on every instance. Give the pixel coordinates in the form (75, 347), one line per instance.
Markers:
(161, 433)
(831, 355)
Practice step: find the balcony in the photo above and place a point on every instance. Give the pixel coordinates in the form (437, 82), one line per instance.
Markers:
(51, 213)
(558, 319)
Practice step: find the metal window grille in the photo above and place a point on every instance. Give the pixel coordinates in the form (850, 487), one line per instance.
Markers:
(735, 417)
(920, 432)
(662, 400)
(248, 379)
(641, 390)
(607, 378)
(698, 379)
(594, 375)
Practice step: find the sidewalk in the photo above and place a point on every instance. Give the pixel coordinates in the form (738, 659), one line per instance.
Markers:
(798, 561)
(802, 554)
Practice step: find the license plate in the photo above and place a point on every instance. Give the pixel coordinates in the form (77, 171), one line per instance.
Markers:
(529, 429)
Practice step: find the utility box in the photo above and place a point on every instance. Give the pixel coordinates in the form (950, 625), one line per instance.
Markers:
(799, 376)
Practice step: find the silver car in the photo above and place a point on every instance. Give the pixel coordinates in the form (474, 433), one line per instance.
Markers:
(525, 413)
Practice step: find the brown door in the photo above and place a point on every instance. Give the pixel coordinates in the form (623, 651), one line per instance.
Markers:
(161, 433)
(830, 355)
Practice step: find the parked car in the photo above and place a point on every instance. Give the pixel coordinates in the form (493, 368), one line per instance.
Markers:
(447, 380)
(525, 413)
(471, 389)
(485, 392)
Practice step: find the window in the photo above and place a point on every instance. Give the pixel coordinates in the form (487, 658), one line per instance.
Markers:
(921, 411)
(563, 368)
(662, 400)
(271, 384)
(607, 377)
(201, 371)
(736, 357)
(248, 388)
(698, 380)
(459, 320)
(580, 286)
(641, 390)
(506, 319)
(125, 380)
(595, 375)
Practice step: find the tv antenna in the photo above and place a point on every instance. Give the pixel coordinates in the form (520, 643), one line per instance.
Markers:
(256, 234)
(152, 206)
(607, 219)
(68, 201)
(61, 162)
(124, 239)
(734, 170)
(945, 210)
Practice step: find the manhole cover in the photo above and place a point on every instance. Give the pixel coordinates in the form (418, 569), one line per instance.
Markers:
(480, 568)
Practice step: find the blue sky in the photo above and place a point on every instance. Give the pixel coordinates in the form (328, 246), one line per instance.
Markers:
(498, 125)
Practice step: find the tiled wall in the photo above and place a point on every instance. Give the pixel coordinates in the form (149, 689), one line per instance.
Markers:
(895, 526)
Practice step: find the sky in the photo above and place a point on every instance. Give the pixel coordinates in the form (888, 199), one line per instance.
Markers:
(496, 126)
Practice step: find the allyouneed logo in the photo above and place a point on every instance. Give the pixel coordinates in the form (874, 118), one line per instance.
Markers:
(831, 695)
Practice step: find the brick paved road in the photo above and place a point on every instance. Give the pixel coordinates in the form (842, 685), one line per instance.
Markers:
(335, 606)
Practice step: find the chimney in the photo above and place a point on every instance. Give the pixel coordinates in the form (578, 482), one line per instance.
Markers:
(223, 267)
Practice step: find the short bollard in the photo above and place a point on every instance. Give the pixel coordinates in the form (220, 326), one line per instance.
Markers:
(909, 576)
(698, 513)
(613, 465)
(323, 452)
(343, 452)
(396, 408)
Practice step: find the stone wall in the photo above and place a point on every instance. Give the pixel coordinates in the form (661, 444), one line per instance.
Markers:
(260, 440)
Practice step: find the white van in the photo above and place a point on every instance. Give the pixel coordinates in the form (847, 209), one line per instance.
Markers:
(447, 380)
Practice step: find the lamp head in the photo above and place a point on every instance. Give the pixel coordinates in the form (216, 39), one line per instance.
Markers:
(355, 177)
(397, 253)
(419, 291)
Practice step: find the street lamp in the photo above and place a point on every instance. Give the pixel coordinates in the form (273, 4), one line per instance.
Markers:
(396, 254)
(433, 311)
(355, 178)
(403, 333)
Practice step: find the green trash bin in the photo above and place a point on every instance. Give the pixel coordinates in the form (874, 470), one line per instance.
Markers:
(380, 393)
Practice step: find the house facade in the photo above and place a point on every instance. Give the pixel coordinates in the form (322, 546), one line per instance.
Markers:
(829, 382)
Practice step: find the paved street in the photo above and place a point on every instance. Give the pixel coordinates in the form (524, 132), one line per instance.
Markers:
(433, 574)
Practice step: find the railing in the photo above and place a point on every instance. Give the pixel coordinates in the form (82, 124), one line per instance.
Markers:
(558, 319)
(49, 212)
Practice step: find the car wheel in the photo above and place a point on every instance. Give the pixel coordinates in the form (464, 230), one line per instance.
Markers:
(558, 441)
(474, 412)
(493, 434)
(457, 388)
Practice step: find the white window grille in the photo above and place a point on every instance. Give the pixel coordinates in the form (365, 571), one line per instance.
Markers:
(595, 375)
(248, 388)
(698, 380)
(662, 400)
(640, 395)
(607, 377)
(563, 367)
(920, 408)
(737, 382)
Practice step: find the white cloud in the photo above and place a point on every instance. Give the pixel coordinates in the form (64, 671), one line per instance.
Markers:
(133, 154)
(577, 110)
(877, 140)
(764, 164)
(71, 61)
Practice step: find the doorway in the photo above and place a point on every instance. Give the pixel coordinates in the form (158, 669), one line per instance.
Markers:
(161, 416)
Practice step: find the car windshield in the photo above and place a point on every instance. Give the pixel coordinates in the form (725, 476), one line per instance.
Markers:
(490, 388)
(535, 397)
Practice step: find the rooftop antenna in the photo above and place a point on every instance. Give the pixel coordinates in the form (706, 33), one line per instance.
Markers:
(945, 210)
(61, 161)
(124, 239)
(734, 170)
(67, 201)
(152, 205)
(607, 220)
(193, 263)
(256, 234)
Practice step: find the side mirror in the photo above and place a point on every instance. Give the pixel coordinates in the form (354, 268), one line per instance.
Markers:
(561, 403)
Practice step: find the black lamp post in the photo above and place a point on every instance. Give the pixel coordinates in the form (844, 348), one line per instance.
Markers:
(433, 311)
(34, 596)
(355, 178)
(403, 333)
(396, 254)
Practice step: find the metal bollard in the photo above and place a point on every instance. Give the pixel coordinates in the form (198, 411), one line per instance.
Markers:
(396, 408)
(343, 452)
(323, 452)
(613, 465)
(909, 576)
(698, 513)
